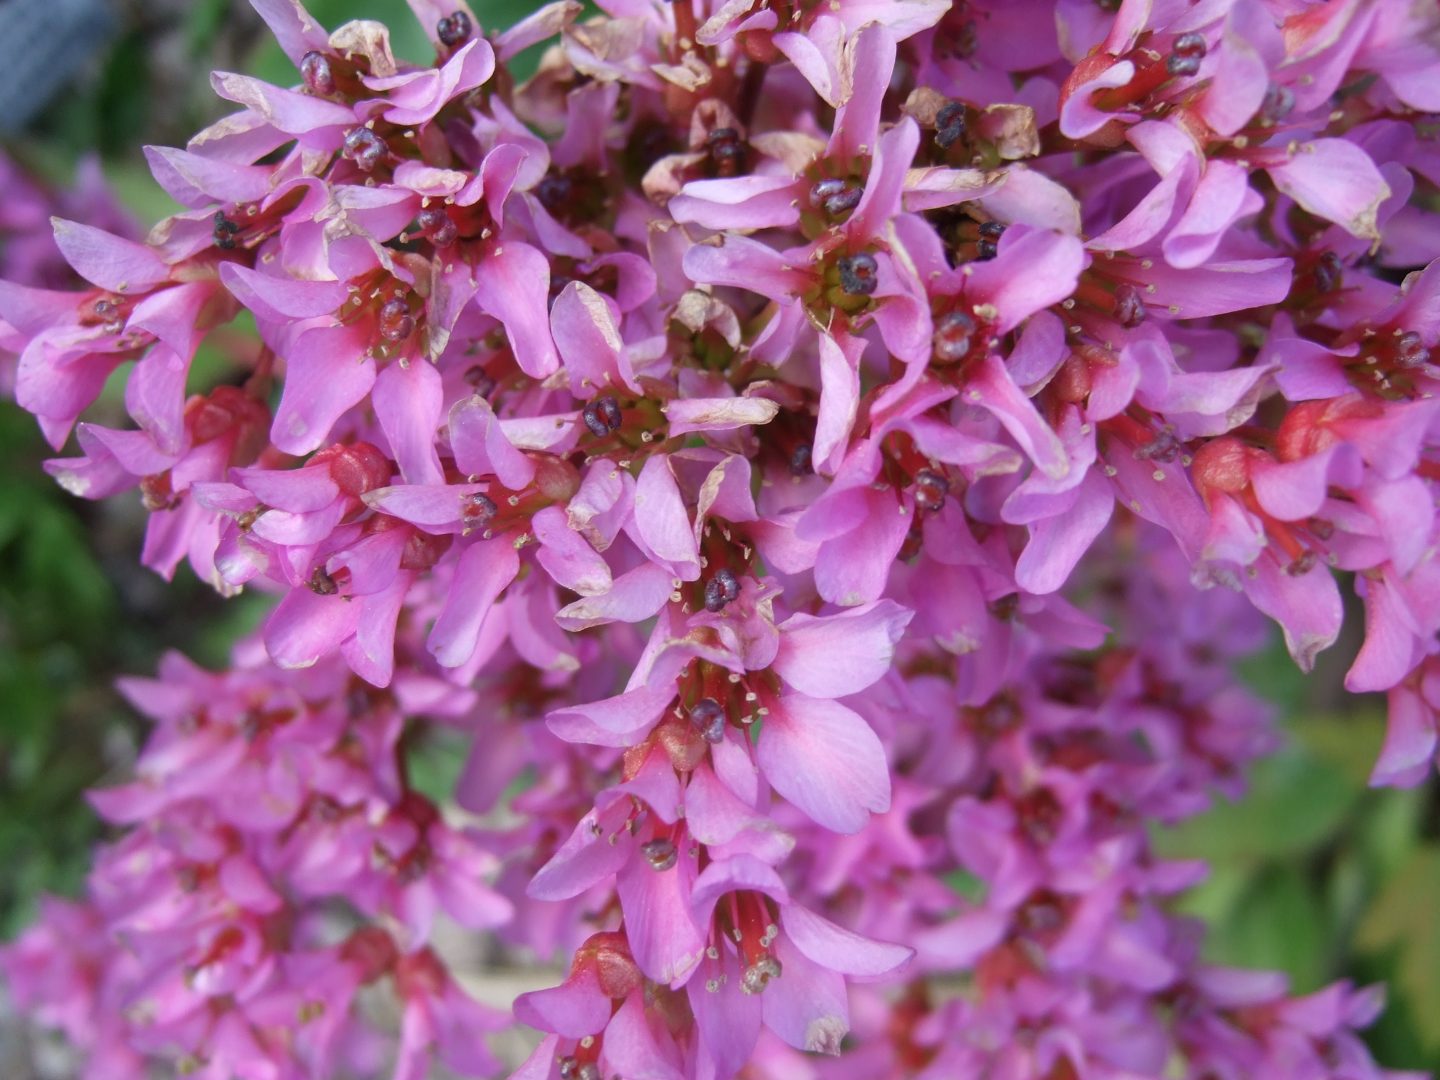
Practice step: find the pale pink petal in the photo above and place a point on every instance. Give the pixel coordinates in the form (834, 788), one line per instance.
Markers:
(481, 575)
(835, 655)
(823, 758)
(839, 949)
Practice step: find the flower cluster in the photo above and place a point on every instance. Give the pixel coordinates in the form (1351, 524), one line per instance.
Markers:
(798, 442)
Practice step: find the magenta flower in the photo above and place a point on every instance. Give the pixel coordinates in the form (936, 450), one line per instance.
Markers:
(794, 446)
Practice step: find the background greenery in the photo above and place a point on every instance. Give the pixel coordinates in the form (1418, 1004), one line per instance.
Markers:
(1313, 873)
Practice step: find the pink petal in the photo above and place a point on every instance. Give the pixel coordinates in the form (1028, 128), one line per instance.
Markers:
(574, 1009)
(687, 415)
(1336, 180)
(512, 283)
(121, 266)
(305, 627)
(661, 520)
(742, 202)
(807, 1005)
(836, 655)
(323, 380)
(1410, 737)
(825, 760)
(588, 338)
(481, 448)
(623, 720)
(636, 595)
(853, 568)
(408, 399)
(1058, 542)
(484, 570)
(839, 949)
(567, 556)
(664, 939)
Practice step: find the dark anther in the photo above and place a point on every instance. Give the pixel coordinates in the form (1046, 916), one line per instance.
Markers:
(591, 416)
(365, 148)
(714, 596)
(954, 332)
(1278, 102)
(836, 196)
(985, 250)
(1129, 308)
(708, 716)
(1163, 447)
(477, 508)
(930, 489)
(1190, 44)
(315, 70)
(478, 378)
(554, 191)
(729, 582)
(949, 125)
(225, 231)
(1329, 272)
(1410, 350)
(1301, 565)
(156, 492)
(602, 416)
(609, 410)
(859, 274)
(1180, 67)
(322, 584)
(453, 29)
(992, 230)
(727, 152)
(721, 589)
(396, 322)
(436, 224)
(660, 854)
(800, 464)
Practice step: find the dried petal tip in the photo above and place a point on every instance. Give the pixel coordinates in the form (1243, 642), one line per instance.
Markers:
(453, 29)
(949, 125)
(859, 274)
(660, 854)
(315, 70)
(365, 148)
(708, 716)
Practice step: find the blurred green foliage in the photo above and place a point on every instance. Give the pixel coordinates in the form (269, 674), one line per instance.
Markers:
(1312, 873)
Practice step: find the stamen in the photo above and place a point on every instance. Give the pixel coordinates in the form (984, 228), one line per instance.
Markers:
(315, 70)
(453, 29)
(859, 274)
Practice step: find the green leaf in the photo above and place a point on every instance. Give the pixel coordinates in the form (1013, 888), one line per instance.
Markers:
(1277, 923)
(1296, 802)
(1402, 922)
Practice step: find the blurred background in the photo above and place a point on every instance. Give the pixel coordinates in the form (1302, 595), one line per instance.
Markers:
(1312, 874)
